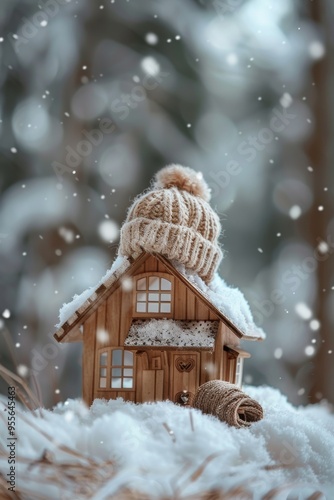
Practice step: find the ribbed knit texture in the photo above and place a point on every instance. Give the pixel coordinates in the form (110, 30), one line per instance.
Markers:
(228, 403)
(176, 224)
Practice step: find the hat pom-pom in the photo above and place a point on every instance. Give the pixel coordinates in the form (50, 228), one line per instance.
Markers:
(183, 178)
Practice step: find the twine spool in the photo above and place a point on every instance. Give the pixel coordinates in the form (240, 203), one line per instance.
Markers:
(228, 403)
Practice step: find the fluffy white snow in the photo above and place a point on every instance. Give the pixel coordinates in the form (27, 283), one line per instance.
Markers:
(230, 301)
(167, 332)
(157, 447)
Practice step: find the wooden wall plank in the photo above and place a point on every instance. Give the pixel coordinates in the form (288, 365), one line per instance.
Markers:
(151, 264)
(207, 371)
(148, 391)
(126, 315)
(131, 396)
(113, 314)
(229, 338)
(106, 394)
(166, 357)
(219, 346)
(213, 316)
(141, 365)
(140, 269)
(190, 305)
(126, 395)
(202, 312)
(88, 359)
(159, 382)
(102, 335)
(180, 300)
(229, 367)
(162, 268)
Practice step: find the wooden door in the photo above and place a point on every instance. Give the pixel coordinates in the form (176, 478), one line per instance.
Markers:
(185, 370)
(152, 385)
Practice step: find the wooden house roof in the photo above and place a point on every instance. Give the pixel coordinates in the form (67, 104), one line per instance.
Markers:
(67, 332)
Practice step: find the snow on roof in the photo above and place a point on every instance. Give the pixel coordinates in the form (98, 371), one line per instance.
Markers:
(67, 310)
(168, 332)
(230, 301)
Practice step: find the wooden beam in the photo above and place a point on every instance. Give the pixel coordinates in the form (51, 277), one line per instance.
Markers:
(88, 359)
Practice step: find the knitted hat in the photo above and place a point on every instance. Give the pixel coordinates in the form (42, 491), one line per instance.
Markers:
(175, 219)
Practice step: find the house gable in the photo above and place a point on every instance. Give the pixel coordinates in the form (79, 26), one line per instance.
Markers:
(101, 295)
(113, 303)
(117, 312)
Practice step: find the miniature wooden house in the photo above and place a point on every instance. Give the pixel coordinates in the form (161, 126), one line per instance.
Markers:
(149, 334)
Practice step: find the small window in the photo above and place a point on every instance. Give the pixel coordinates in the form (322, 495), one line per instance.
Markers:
(153, 295)
(121, 377)
(103, 369)
(116, 369)
(238, 371)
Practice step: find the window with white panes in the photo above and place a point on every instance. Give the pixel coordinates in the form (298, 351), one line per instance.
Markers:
(238, 371)
(103, 370)
(153, 295)
(121, 369)
(116, 369)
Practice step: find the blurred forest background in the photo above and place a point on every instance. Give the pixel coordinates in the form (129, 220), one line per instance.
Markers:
(96, 96)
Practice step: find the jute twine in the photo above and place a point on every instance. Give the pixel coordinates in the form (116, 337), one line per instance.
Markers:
(227, 402)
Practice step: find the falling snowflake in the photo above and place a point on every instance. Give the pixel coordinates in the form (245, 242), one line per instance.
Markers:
(278, 353)
(286, 100)
(22, 370)
(150, 65)
(295, 212)
(314, 324)
(108, 230)
(303, 310)
(151, 38)
(232, 59)
(323, 247)
(316, 49)
(102, 335)
(309, 350)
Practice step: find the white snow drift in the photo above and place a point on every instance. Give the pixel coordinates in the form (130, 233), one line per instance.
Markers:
(157, 447)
